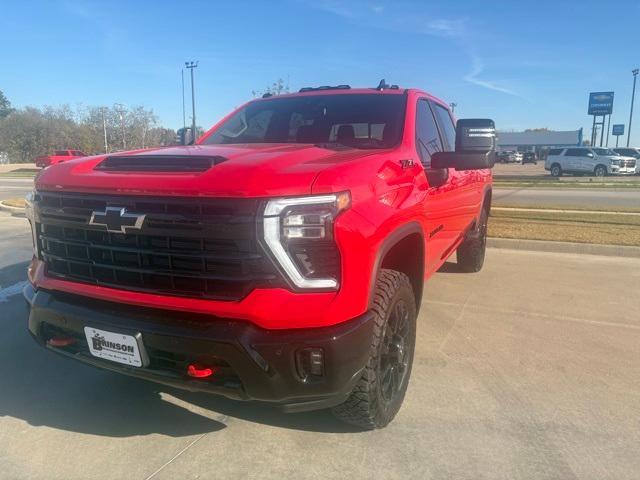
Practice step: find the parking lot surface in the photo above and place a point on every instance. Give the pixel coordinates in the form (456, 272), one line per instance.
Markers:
(528, 369)
(15, 187)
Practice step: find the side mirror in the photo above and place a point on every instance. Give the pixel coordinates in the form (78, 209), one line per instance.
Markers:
(184, 136)
(475, 146)
(589, 154)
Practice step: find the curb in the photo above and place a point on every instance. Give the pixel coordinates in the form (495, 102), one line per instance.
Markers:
(565, 247)
(15, 211)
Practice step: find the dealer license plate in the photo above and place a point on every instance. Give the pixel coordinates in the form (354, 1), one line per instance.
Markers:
(113, 346)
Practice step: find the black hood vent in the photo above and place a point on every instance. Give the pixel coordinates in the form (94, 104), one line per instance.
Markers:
(159, 163)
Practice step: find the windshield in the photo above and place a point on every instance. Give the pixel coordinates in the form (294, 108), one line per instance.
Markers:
(354, 120)
(605, 152)
(628, 152)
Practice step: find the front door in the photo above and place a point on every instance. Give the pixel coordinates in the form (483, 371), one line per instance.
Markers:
(438, 204)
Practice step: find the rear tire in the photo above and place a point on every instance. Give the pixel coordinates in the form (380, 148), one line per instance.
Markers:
(472, 250)
(556, 170)
(379, 393)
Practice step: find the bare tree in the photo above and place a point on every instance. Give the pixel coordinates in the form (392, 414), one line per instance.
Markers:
(29, 132)
(276, 88)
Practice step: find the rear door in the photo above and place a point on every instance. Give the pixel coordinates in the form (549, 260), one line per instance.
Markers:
(574, 159)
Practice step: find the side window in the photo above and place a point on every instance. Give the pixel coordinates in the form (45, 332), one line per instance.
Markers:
(447, 128)
(555, 151)
(427, 137)
(575, 152)
(258, 124)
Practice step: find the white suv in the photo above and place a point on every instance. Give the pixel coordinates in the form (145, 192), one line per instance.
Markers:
(585, 160)
(632, 163)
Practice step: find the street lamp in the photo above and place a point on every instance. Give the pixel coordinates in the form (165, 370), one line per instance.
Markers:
(453, 106)
(121, 111)
(633, 95)
(104, 129)
(191, 66)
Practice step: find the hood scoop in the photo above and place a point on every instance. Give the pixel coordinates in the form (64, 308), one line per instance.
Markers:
(159, 163)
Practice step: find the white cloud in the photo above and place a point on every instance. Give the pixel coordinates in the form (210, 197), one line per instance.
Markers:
(454, 29)
(447, 28)
(477, 67)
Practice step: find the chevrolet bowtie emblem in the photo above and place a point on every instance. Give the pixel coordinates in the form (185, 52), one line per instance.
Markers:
(117, 220)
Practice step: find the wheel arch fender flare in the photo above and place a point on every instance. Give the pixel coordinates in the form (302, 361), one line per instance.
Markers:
(401, 233)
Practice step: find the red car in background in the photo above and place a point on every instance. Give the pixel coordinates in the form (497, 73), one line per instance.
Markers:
(57, 157)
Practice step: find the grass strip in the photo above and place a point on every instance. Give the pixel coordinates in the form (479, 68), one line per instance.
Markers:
(566, 227)
(14, 202)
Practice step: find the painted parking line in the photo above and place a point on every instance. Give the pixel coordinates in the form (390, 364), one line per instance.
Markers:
(12, 290)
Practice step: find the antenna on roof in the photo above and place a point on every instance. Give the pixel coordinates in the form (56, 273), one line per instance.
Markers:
(382, 85)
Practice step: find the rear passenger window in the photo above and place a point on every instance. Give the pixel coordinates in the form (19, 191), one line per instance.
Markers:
(575, 152)
(555, 151)
(427, 137)
(447, 129)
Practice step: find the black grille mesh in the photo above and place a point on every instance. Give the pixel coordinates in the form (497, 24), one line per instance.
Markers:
(187, 246)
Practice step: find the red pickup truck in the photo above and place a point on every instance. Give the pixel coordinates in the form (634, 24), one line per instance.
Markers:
(281, 258)
(57, 157)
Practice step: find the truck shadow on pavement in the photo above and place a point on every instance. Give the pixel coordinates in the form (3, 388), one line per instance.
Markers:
(450, 267)
(44, 389)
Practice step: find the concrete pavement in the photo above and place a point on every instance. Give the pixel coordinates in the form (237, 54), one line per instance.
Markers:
(15, 187)
(528, 369)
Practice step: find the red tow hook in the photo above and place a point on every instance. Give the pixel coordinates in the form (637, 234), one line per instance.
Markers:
(200, 371)
(61, 341)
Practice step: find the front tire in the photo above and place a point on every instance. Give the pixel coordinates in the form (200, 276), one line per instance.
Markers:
(379, 393)
(472, 250)
(600, 171)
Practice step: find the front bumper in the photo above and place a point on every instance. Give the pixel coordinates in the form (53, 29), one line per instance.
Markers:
(254, 364)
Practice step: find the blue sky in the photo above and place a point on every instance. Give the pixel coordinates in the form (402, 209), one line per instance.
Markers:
(525, 64)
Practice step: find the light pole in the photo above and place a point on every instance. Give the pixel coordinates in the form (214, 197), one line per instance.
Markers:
(191, 66)
(633, 95)
(184, 118)
(453, 106)
(104, 128)
(121, 111)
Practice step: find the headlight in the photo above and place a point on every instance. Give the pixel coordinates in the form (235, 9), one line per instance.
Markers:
(28, 211)
(299, 233)
(614, 162)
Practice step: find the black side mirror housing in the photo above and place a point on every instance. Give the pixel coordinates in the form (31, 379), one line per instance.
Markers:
(184, 136)
(475, 146)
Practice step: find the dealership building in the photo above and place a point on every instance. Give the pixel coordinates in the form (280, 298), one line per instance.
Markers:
(538, 140)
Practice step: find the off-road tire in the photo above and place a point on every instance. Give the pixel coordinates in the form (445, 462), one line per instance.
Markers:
(371, 405)
(556, 170)
(472, 250)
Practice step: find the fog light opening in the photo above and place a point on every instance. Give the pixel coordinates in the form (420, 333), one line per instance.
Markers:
(310, 363)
